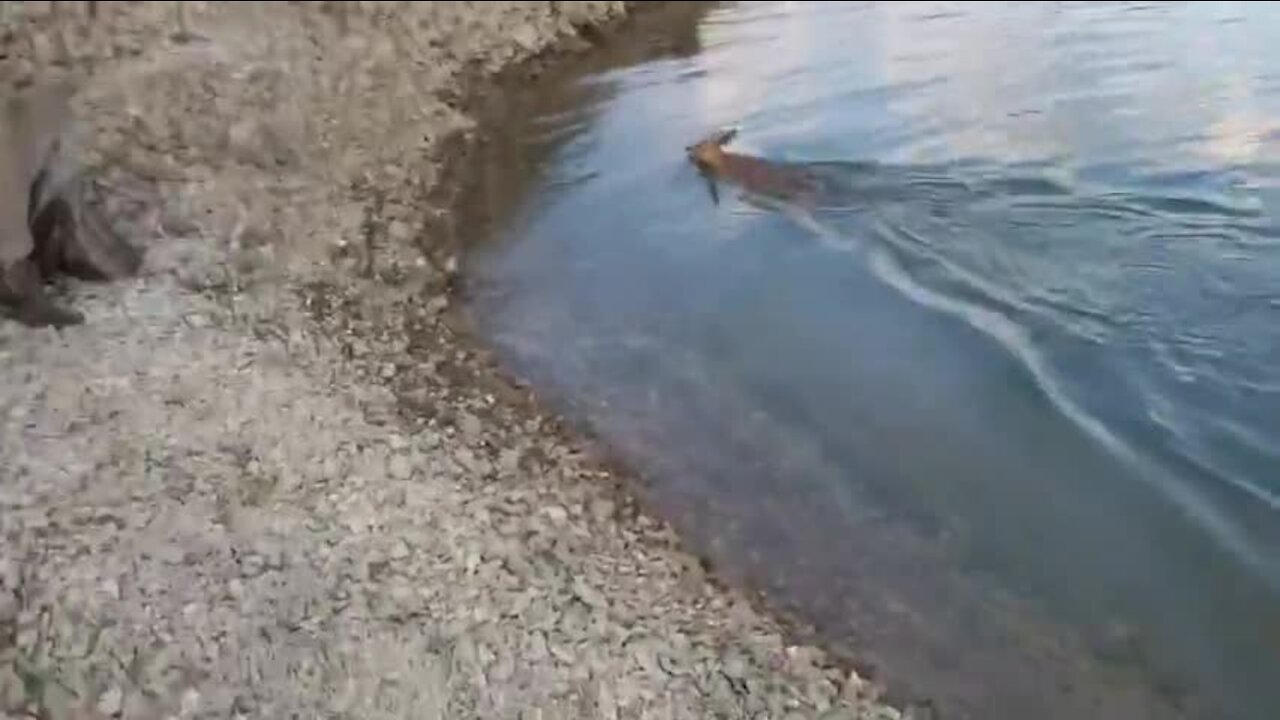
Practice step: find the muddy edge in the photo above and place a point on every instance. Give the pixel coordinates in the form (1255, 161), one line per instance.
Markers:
(276, 474)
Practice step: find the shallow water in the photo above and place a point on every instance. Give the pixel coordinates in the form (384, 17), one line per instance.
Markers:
(1000, 414)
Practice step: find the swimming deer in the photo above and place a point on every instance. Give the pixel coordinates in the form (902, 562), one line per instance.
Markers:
(765, 178)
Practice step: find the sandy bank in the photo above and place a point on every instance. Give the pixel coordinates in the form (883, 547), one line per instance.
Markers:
(266, 479)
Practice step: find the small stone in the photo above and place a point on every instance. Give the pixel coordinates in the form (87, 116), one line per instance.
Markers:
(272, 556)
(509, 461)
(400, 550)
(8, 607)
(58, 700)
(190, 702)
(172, 554)
(526, 36)
(803, 658)
(42, 48)
(589, 595)
(734, 665)
(137, 705)
(437, 305)
(855, 688)
(110, 588)
(388, 371)
(111, 702)
(11, 688)
(400, 230)
(821, 693)
(556, 514)
(401, 596)
(399, 467)
(252, 566)
(471, 426)
(602, 510)
(235, 588)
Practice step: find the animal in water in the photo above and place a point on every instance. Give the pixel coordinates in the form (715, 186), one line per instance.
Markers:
(46, 223)
(757, 176)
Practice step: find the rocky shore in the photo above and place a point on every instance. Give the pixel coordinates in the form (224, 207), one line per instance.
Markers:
(267, 478)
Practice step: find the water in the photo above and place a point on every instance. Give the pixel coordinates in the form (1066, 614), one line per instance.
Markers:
(1001, 416)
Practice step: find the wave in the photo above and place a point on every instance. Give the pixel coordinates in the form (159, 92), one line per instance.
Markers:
(996, 313)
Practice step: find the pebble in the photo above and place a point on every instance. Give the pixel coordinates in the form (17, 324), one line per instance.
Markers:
(589, 595)
(111, 702)
(110, 588)
(8, 606)
(399, 467)
(437, 304)
(527, 36)
(509, 461)
(400, 550)
(190, 702)
(556, 514)
(399, 230)
(734, 665)
(602, 510)
(252, 566)
(471, 426)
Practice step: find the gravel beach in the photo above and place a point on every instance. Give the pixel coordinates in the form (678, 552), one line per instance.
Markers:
(268, 478)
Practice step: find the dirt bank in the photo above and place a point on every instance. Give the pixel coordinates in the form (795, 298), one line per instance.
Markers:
(266, 479)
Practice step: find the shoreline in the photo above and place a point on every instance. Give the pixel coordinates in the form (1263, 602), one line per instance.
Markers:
(271, 476)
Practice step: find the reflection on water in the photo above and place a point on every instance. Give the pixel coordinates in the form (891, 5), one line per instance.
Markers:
(999, 412)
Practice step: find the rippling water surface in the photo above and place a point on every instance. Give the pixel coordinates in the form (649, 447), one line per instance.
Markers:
(1001, 414)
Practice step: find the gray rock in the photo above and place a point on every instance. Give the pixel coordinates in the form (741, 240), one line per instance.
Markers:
(8, 607)
(437, 304)
(734, 664)
(110, 588)
(190, 702)
(589, 595)
(111, 702)
(252, 566)
(400, 550)
(399, 467)
(509, 461)
(400, 231)
(471, 426)
(526, 36)
(602, 510)
(556, 514)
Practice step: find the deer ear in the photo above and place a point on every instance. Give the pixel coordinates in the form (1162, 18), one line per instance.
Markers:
(725, 136)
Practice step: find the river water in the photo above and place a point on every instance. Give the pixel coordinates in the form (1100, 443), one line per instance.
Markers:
(1000, 417)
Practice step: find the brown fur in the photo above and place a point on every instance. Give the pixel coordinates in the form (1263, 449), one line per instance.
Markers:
(755, 175)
